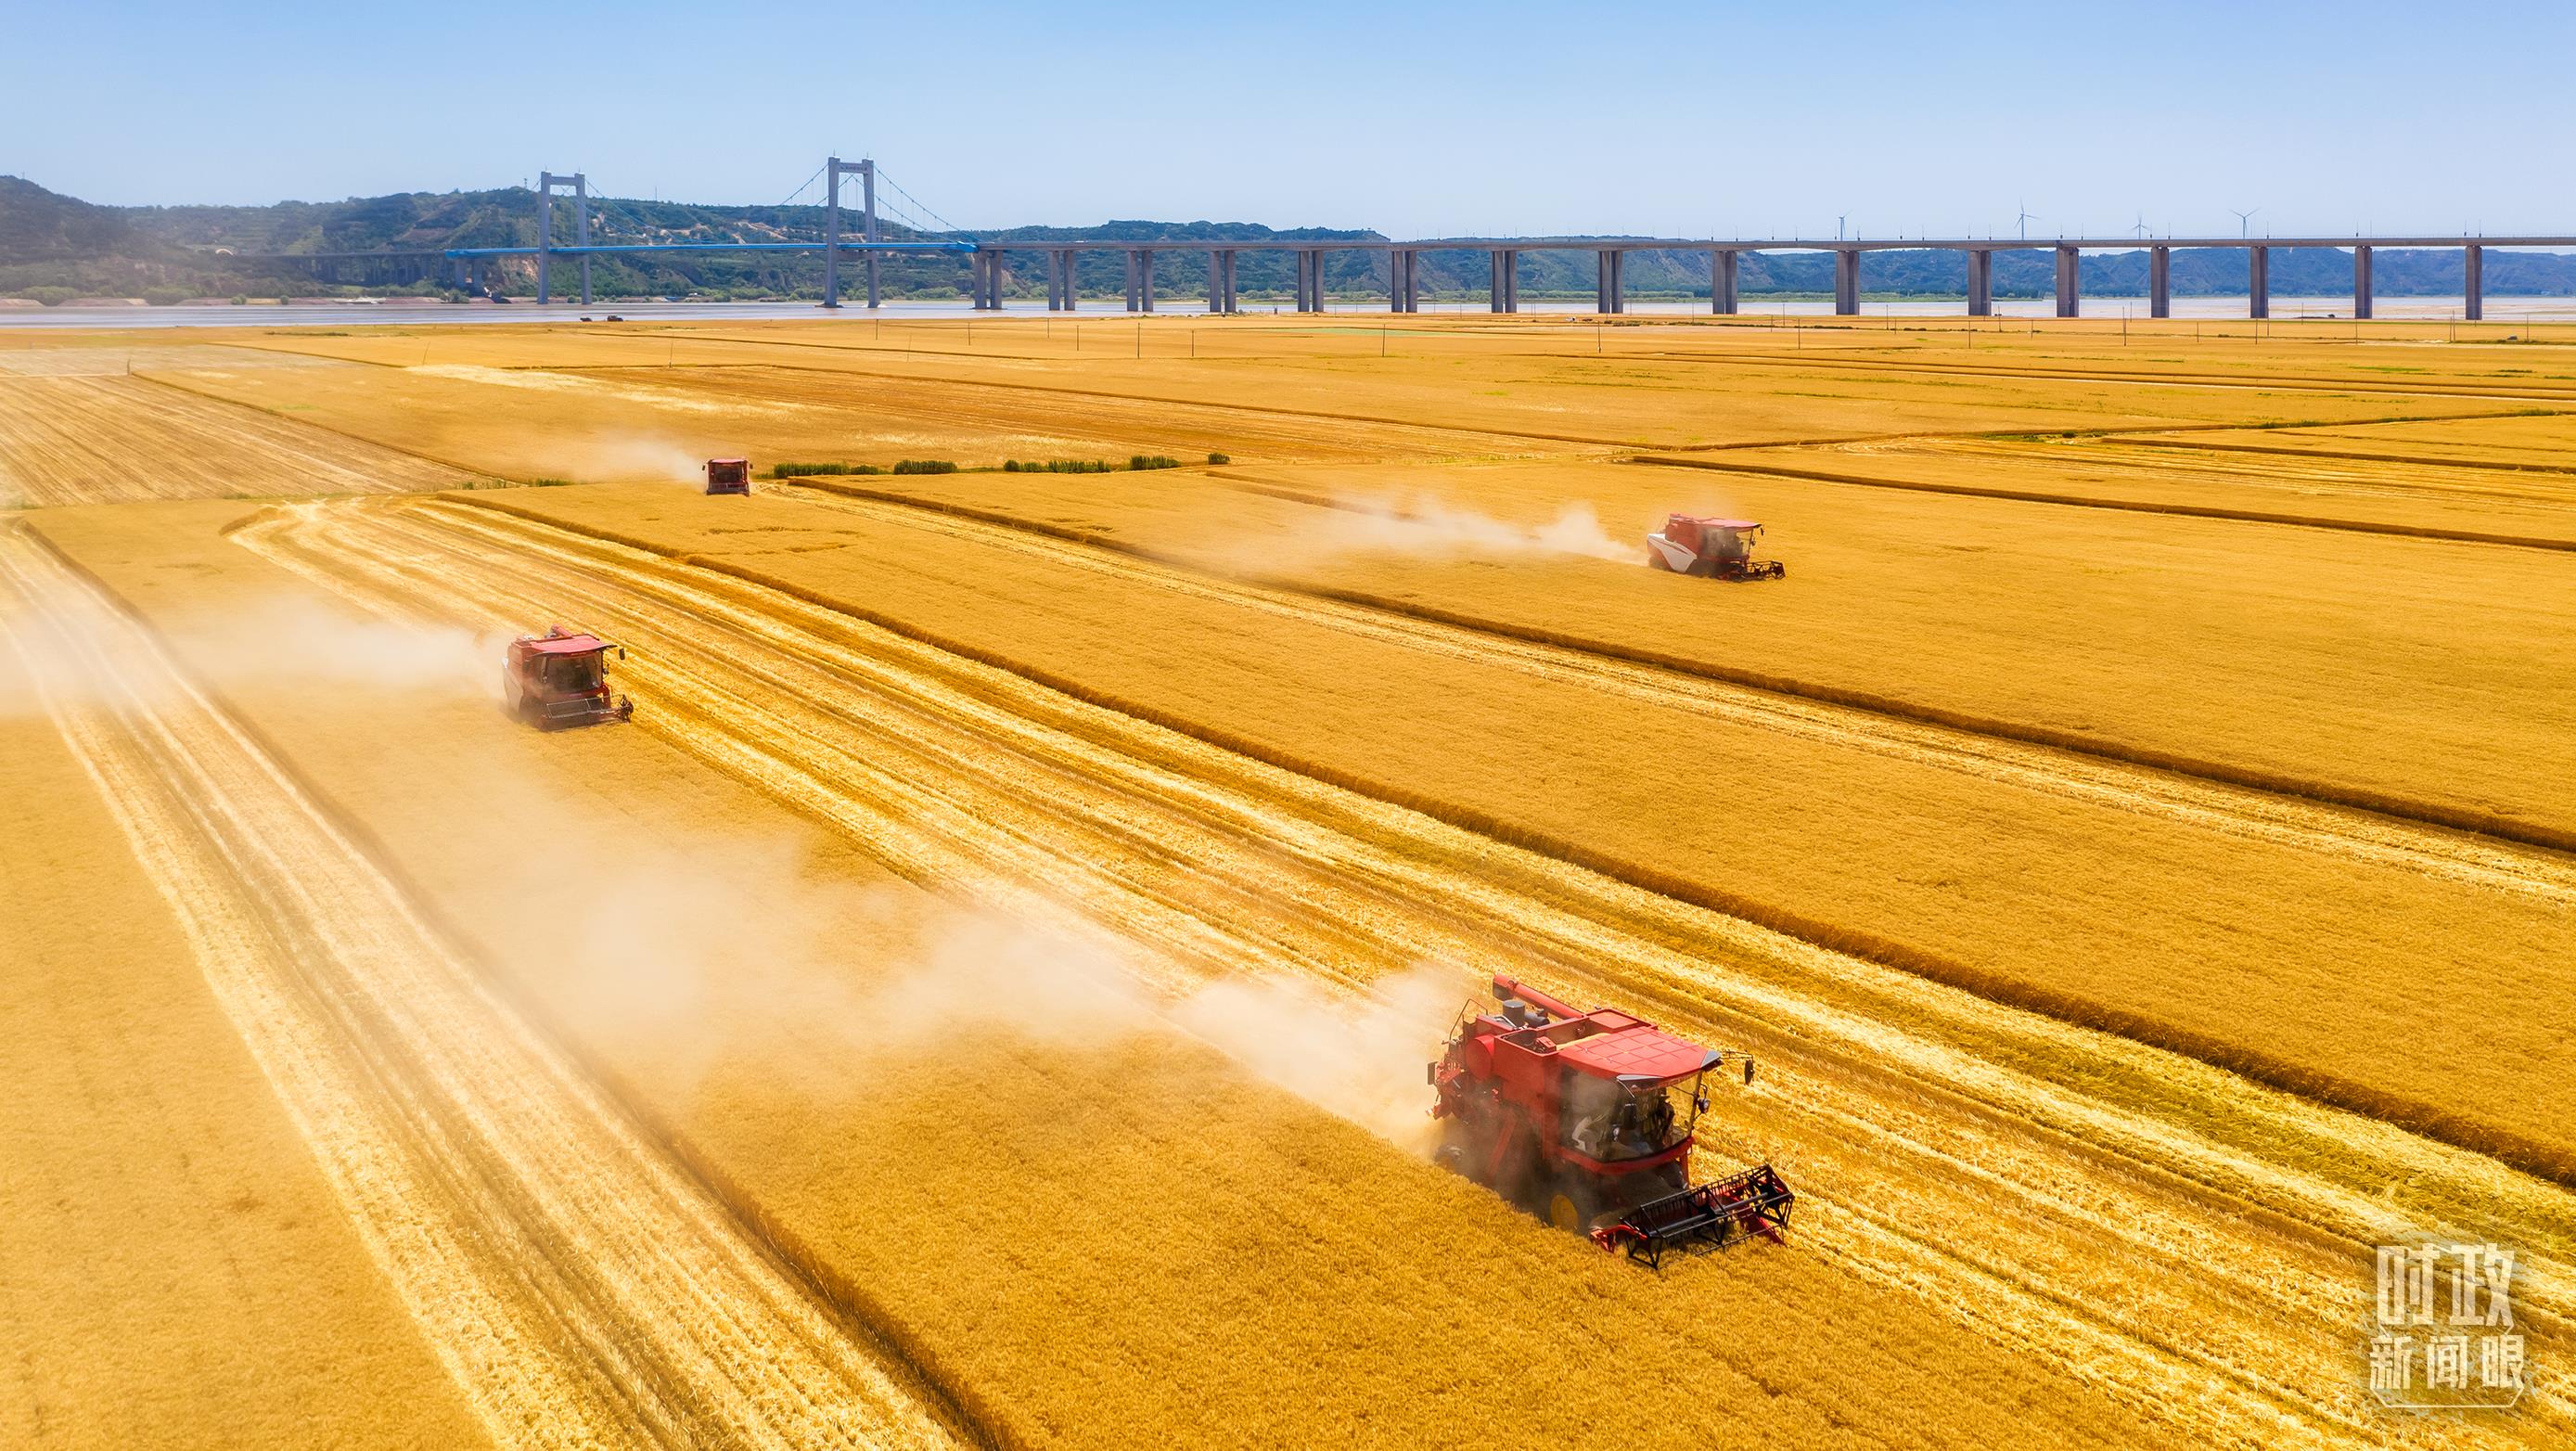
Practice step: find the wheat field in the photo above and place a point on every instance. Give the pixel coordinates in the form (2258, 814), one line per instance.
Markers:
(983, 995)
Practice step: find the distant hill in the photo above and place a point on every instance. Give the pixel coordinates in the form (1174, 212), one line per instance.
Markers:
(54, 247)
(39, 226)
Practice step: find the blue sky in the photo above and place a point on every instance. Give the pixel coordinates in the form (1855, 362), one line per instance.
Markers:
(1424, 119)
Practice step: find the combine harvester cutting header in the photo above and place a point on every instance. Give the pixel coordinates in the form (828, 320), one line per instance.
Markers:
(1587, 1119)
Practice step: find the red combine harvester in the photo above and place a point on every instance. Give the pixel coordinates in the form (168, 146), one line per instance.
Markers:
(1586, 1120)
(560, 679)
(1711, 549)
(728, 476)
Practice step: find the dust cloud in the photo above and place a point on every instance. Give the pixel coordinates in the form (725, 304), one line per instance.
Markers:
(622, 458)
(277, 640)
(966, 970)
(719, 947)
(1425, 527)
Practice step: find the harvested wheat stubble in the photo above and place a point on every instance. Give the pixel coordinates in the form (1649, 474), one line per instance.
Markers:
(774, 688)
(74, 440)
(578, 1287)
(173, 1260)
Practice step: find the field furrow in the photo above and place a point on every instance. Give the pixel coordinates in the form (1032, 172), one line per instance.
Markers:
(2192, 1243)
(580, 1288)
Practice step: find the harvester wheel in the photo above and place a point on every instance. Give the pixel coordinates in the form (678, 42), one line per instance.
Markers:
(1573, 1206)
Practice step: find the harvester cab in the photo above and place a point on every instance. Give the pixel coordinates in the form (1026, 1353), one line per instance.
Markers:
(560, 679)
(728, 476)
(1588, 1119)
(1711, 549)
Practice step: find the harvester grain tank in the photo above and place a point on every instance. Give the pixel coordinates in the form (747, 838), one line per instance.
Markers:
(1587, 1119)
(560, 679)
(1710, 549)
(728, 476)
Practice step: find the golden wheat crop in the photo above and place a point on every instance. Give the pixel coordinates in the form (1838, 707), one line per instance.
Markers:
(933, 1019)
(2214, 646)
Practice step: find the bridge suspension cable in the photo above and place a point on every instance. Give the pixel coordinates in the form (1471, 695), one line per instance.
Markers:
(800, 190)
(944, 224)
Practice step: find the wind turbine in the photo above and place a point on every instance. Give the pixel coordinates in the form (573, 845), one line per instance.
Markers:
(2141, 227)
(2024, 220)
(2244, 223)
(1838, 225)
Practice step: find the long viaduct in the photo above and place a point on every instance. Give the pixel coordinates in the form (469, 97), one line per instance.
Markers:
(988, 269)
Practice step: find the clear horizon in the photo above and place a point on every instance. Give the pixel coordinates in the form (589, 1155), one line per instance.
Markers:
(1442, 120)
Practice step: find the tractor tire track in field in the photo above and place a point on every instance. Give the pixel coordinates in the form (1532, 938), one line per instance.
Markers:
(579, 1287)
(2279, 819)
(2191, 1242)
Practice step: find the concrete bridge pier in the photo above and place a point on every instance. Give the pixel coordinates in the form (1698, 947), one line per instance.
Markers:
(1846, 282)
(1981, 283)
(2258, 281)
(2473, 286)
(1499, 289)
(1721, 283)
(1059, 282)
(1305, 282)
(2361, 280)
(2160, 282)
(1220, 296)
(1404, 281)
(2070, 300)
(1610, 290)
(1136, 280)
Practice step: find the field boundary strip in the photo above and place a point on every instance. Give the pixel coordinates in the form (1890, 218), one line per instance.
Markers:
(2377, 803)
(847, 1302)
(2123, 506)
(2520, 1151)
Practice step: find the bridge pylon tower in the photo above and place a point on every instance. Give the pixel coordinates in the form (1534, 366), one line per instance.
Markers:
(865, 169)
